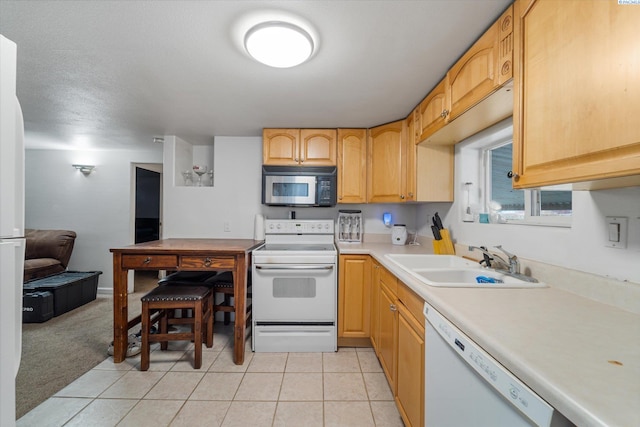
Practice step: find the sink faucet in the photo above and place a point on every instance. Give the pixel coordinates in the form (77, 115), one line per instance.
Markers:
(488, 256)
(514, 264)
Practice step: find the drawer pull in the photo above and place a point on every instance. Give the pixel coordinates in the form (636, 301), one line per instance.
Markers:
(147, 260)
(393, 307)
(207, 262)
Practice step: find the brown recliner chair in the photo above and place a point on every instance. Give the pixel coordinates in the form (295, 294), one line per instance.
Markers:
(47, 252)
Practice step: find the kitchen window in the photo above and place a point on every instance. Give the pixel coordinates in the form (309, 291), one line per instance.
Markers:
(551, 205)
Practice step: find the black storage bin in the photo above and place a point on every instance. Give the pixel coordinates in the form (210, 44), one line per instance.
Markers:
(70, 289)
(37, 307)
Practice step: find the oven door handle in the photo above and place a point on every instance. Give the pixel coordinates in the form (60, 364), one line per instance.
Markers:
(294, 267)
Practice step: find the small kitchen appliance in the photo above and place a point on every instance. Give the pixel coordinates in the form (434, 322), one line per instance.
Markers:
(299, 186)
(399, 234)
(350, 226)
(294, 290)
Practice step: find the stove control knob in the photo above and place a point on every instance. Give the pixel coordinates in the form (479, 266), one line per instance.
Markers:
(279, 226)
(271, 226)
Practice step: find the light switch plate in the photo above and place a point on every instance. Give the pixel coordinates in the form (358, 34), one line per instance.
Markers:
(616, 228)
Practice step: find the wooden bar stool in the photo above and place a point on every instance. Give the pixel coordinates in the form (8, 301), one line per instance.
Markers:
(165, 300)
(222, 283)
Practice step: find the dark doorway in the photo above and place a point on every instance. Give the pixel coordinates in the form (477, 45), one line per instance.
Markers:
(147, 205)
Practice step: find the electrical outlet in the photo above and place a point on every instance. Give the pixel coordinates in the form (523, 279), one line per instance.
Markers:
(227, 227)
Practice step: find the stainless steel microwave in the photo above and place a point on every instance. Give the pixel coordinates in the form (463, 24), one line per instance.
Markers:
(299, 186)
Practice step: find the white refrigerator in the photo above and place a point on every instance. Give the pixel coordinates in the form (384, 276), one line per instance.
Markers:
(12, 242)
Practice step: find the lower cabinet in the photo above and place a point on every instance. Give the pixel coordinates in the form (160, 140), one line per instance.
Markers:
(374, 305)
(388, 338)
(354, 296)
(410, 373)
(398, 338)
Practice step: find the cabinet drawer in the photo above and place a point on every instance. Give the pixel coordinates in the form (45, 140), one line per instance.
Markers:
(412, 301)
(149, 261)
(389, 280)
(206, 262)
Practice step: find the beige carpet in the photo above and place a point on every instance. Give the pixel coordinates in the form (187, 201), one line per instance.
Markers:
(57, 352)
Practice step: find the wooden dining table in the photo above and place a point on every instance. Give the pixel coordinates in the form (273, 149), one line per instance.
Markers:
(181, 255)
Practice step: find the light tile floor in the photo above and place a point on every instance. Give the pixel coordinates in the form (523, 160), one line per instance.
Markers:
(347, 388)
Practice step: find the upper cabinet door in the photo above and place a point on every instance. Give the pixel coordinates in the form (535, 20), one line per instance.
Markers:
(352, 165)
(281, 147)
(474, 75)
(385, 163)
(409, 138)
(433, 111)
(577, 93)
(318, 147)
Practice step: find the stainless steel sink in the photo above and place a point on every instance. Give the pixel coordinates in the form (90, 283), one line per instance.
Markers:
(455, 272)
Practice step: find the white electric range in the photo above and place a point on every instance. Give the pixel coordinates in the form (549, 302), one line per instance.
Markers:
(294, 275)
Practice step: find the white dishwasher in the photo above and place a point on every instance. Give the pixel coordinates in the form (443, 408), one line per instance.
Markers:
(465, 386)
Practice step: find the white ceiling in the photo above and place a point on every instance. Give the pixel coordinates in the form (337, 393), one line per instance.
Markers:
(114, 74)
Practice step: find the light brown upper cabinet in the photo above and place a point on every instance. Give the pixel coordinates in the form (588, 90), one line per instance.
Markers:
(433, 111)
(429, 167)
(483, 68)
(280, 146)
(410, 160)
(476, 92)
(577, 94)
(386, 152)
(352, 165)
(299, 147)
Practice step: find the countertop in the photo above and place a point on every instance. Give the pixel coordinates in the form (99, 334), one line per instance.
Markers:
(580, 355)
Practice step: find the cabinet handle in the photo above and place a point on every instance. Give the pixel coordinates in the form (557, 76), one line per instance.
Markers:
(444, 114)
(147, 260)
(297, 159)
(393, 307)
(402, 196)
(207, 262)
(410, 194)
(513, 175)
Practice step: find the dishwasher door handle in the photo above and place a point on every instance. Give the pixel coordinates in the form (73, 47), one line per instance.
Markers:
(294, 267)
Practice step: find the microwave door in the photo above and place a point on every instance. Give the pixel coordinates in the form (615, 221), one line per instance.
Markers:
(290, 190)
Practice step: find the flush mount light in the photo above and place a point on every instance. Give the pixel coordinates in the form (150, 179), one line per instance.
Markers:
(278, 44)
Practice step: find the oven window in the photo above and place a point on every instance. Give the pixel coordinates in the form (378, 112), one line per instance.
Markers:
(296, 287)
(290, 189)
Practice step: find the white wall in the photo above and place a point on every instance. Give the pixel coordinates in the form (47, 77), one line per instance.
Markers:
(581, 247)
(97, 207)
(236, 196)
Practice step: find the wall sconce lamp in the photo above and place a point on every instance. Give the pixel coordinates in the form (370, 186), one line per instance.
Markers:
(85, 169)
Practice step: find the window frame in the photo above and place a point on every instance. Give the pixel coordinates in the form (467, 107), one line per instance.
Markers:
(532, 199)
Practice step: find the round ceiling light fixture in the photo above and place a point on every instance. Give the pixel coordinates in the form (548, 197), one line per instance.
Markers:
(278, 44)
